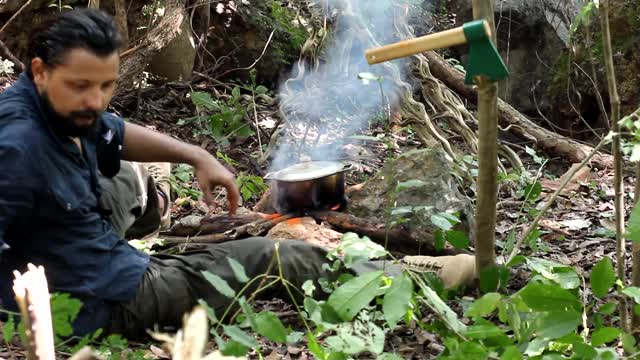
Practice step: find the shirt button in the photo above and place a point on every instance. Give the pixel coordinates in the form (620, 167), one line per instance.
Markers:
(68, 206)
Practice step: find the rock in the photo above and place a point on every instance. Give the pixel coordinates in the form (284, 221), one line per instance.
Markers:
(438, 192)
(531, 36)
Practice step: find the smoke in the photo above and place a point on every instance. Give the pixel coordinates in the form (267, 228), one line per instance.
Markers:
(325, 103)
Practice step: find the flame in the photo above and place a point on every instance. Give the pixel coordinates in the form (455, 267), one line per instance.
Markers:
(294, 221)
(271, 216)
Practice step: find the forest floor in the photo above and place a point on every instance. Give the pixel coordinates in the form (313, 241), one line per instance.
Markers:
(576, 232)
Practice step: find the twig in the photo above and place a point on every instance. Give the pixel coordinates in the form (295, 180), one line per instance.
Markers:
(15, 16)
(552, 199)
(255, 62)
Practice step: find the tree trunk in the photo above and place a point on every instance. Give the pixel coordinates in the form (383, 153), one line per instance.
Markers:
(121, 21)
(487, 154)
(614, 99)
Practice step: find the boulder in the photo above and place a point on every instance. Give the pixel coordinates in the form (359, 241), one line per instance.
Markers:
(531, 35)
(436, 192)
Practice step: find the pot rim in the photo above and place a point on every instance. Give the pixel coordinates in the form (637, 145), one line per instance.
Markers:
(309, 170)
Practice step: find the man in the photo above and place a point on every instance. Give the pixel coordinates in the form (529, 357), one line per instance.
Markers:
(71, 187)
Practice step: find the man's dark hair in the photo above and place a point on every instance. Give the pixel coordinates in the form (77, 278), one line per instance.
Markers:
(89, 29)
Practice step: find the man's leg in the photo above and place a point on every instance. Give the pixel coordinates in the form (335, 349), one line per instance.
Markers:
(174, 283)
(139, 205)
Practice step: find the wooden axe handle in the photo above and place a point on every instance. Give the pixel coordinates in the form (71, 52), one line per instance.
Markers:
(410, 47)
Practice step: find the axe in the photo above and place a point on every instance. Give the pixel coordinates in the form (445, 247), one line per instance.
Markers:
(484, 59)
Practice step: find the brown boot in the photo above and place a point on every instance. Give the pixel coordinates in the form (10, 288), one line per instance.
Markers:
(160, 173)
(452, 270)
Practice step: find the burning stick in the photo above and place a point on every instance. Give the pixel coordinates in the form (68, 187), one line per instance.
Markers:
(32, 296)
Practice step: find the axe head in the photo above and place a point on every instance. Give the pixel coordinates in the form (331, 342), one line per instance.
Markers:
(484, 58)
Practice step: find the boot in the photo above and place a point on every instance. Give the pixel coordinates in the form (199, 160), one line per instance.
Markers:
(452, 270)
(160, 173)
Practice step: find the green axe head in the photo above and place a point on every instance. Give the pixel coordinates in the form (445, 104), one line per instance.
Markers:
(484, 59)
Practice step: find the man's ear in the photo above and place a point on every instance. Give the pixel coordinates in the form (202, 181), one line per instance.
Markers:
(39, 71)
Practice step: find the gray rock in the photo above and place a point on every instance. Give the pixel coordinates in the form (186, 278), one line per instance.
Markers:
(437, 192)
(531, 36)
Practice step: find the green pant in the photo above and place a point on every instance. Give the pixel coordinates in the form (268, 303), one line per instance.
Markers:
(173, 284)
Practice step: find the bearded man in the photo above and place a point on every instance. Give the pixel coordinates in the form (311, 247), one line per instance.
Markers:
(75, 182)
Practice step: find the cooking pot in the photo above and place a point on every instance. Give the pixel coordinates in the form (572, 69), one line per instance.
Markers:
(310, 185)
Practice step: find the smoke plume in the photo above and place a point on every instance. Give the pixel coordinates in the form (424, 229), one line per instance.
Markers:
(325, 103)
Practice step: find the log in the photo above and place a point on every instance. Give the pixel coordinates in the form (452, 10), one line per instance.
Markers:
(254, 228)
(212, 224)
(400, 239)
(519, 124)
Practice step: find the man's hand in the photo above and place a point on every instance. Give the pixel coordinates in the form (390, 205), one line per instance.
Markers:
(144, 145)
(210, 173)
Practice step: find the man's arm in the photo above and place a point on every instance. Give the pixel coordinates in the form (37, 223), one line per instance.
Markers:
(144, 145)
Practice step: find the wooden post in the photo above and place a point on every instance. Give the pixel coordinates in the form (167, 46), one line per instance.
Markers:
(614, 100)
(487, 153)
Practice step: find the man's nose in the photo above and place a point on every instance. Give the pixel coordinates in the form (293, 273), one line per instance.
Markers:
(93, 100)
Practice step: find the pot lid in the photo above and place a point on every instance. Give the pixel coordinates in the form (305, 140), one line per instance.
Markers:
(308, 170)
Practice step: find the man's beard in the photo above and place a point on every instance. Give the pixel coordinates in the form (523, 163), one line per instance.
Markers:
(66, 124)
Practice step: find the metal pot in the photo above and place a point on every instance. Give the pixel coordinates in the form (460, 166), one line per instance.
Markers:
(312, 185)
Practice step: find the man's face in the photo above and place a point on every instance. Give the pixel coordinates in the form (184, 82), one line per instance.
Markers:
(78, 90)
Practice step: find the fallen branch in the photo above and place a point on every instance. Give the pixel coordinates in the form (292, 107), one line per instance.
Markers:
(400, 239)
(519, 124)
(251, 229)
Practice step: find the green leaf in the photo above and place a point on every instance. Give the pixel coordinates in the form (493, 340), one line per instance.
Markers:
(237, 334)
(458, 239)
(548, 297)
(358, 249)
(308, 287)
(493, 278)
(565, 276)
(211, 314)
(584, 351)
(441, 222)
(607, 309)
(633, 228)
(389, 356)
(483, 306)
(628, 343)
(555, 324)
(219, 284)
(532, 192)
(485, 331)
(355, 294)
(603, 276)
(439, 240)
(233, 348)
(261, 90)
(397, 299)
(633, 292)
(238, 270)
(64, 310)
(235, 92)
(203, 100)
(511, 353)
(604, 335)
(315, 348)
(8, 329)
(269, 325)
(411, 184)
